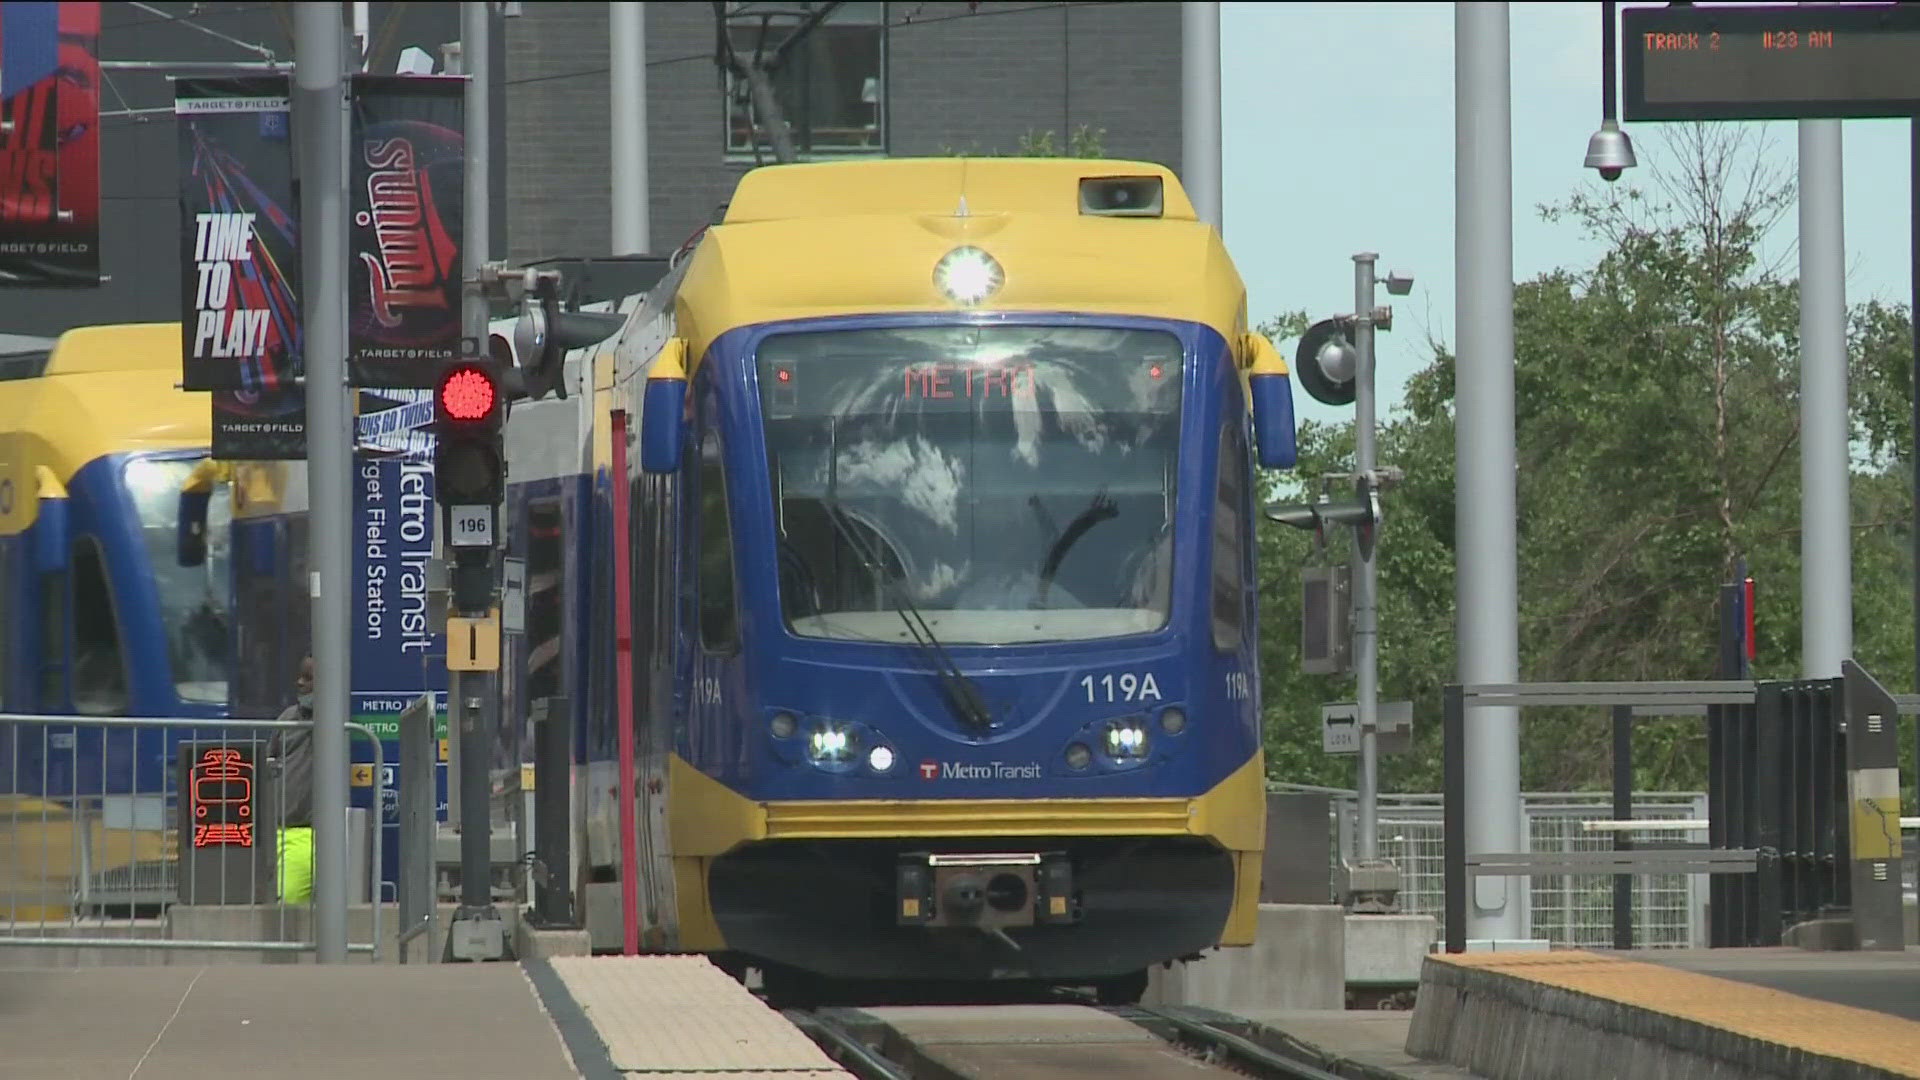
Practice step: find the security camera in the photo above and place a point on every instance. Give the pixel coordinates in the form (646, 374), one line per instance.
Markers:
(1610, 152)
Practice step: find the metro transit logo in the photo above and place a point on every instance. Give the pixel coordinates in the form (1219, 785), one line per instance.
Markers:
(985, 770)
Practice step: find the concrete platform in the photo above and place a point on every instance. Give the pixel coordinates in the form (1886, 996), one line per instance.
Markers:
(1887, 982)
(1573, 1015)
(276, 1022)
(565, 1019)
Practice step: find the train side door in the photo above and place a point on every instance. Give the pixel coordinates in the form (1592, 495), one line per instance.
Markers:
(715, 741)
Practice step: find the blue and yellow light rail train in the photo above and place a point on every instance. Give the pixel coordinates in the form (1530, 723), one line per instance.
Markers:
(936, 633)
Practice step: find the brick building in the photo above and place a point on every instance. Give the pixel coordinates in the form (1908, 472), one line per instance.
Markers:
(876, 78)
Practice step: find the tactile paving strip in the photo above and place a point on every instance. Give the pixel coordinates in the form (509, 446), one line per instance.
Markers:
(681, 1015)
(1775, 1016)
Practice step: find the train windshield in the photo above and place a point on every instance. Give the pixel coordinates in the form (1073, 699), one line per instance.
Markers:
(194, 600)
(1011, 483)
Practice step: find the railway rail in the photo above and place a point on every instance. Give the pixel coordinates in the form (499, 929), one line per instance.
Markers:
(1055, 1042)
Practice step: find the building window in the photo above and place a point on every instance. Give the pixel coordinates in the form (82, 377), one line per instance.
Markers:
(829, 83)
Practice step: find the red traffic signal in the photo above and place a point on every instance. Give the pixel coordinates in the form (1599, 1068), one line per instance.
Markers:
(467, 394)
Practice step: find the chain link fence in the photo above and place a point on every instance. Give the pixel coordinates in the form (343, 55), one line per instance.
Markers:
(1572, 910)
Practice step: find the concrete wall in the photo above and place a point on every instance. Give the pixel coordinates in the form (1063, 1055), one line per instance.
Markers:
(953, 79)
(1297, 961)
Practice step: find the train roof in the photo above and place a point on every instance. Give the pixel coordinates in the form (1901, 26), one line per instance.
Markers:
(849, 238)
(98, 390)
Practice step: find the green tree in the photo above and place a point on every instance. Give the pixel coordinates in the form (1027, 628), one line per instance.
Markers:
(1656, 438)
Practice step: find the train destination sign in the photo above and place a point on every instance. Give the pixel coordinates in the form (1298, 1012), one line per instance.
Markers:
(1789, 62)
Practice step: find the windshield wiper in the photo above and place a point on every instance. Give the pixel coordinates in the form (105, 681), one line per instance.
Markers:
(1100, 509)
(962, 693)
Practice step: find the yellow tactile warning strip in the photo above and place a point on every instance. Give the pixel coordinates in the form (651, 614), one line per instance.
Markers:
(1775, 1016)
(668, 1015)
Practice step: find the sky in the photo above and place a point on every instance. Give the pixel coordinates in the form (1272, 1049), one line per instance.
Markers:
(1337, 124)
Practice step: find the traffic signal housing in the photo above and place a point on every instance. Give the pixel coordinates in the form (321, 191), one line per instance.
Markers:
(470, 476)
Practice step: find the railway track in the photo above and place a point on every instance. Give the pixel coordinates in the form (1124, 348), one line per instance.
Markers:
(1050, 1042)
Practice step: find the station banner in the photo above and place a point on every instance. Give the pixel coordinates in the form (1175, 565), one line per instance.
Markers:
(398, 650)
(406, 183)
(50, 145)
(240, 327)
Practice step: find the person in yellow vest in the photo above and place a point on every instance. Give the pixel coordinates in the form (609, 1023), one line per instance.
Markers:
(290, 756)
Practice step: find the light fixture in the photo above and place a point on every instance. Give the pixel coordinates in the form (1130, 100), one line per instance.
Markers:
(1126, 739)
(880, 758)
(968, 276)
(831, 744)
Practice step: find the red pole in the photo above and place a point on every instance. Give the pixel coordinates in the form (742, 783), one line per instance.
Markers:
(1752, 646)
(623, 672)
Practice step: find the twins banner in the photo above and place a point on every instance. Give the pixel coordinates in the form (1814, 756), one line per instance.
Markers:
(49, 145)
(240, 323)
(407, 182)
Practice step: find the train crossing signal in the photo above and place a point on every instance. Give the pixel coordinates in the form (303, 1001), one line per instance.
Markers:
(470, 476)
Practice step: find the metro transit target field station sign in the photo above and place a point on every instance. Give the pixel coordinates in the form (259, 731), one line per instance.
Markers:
(1788, 62)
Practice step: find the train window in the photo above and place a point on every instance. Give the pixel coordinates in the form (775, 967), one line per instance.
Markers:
(831, 88)
(1013, 484)
(195, 601)
(1229, 546)
(718, 630)
(99, 671)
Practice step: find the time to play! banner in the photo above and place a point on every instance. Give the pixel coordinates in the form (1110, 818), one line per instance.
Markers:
(240, 323)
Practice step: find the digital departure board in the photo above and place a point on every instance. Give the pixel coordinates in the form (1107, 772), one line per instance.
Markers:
(1790, 62)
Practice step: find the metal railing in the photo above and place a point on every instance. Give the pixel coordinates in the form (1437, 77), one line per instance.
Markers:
(1568, 909)
(1803, 796)
(94, 855)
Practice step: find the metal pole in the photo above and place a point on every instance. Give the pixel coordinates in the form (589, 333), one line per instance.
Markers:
(1826, 563)
(1486, 589)
(1365, 638)
(1622, 811)
(553, 749)
(207, 67)
(320, 121)
(1200, 109)
(468, 693)
(1913, 319)
(631, 204)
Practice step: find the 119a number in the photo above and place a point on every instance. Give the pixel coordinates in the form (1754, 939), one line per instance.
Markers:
(1126, 686)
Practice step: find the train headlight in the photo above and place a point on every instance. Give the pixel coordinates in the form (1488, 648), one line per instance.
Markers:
(831, 744)
(880, 758)
(783, 725)
(1126, 739)
(1172, 720)
(1078, 756)
(968, 276)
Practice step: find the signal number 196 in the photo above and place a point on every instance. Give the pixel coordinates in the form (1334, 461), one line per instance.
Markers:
(472, 526)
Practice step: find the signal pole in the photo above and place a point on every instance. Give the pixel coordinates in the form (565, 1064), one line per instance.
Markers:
(469, 484)
(1335, 364)
(1366, 641)
(320, 111)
